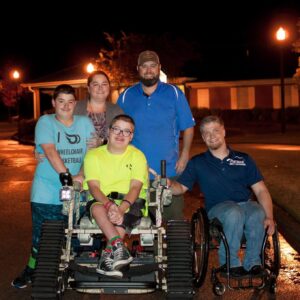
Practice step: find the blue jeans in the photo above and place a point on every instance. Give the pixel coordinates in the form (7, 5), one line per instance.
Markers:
(238, 218)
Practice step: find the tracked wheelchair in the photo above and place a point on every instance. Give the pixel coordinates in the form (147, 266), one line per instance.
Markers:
(164, 254)
(207, 235)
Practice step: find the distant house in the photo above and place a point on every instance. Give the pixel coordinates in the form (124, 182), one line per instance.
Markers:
(244, 94)
(232, 95)
(77, 77)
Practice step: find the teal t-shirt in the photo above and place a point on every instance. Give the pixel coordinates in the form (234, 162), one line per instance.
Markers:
(70, 143)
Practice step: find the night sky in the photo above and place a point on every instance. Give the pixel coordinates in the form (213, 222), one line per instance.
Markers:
(233, 41)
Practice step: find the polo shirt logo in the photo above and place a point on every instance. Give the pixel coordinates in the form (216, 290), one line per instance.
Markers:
(235, 162)
(129, 166)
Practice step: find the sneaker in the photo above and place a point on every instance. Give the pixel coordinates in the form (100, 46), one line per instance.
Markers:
(223, 268)
(23, 279)
(122, 256)
(105, 266)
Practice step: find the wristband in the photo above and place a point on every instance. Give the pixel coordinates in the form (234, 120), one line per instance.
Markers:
(127, 201)
(107, 205)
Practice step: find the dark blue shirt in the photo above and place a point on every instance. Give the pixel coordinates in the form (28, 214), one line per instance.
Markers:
(229, 179)
(159, 118)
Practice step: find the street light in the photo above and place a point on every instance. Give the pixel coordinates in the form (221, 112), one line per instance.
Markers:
(16, 77)
(90, 68)
(281, 36)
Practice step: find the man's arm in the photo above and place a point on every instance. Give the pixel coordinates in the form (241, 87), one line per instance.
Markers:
(188, 135)
(264, 198)
(176, 187)
(132, 195)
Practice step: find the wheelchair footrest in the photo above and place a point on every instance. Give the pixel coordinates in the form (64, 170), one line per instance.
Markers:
(131, 272)
(224, 275)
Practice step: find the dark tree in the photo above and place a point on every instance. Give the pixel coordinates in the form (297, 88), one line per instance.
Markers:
(119, 57)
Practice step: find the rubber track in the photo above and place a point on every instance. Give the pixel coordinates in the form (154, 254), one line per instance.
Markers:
(45, 283)
(180, 260)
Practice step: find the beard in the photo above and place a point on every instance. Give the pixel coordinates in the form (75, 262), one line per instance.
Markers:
(214, 146)
(149, 81)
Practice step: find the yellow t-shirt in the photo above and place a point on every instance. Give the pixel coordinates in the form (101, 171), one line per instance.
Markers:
(115, 171)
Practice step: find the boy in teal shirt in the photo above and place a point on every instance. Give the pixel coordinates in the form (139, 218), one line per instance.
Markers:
(61, 139)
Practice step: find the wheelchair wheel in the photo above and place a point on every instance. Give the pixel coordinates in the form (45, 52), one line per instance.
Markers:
(180, 256)
(272, 255)
(272, 285)
(219, 288)
(200, 237)
(48, 281)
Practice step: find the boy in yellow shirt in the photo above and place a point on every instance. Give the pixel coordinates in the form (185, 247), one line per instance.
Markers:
(116, 175)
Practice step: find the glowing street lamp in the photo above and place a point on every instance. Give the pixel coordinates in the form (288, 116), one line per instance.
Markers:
(90, 68)
(16, 75)
(281, 36)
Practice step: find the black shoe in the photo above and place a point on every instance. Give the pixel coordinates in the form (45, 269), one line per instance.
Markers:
(23, 279)
(256, 270)
(223, 268)
(238, 272)
(234, 272)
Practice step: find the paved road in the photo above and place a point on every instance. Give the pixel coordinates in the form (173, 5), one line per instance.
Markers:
(16, 172)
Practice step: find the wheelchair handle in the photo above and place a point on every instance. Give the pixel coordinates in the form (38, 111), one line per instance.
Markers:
(163, 169)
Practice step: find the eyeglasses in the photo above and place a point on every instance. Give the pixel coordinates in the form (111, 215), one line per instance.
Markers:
(118, 131)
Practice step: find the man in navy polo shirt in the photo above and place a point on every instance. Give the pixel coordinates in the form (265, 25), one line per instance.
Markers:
(160, 112)
(227, 179)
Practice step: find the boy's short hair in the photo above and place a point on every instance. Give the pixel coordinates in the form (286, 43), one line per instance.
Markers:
(63, 89)
(122, 117)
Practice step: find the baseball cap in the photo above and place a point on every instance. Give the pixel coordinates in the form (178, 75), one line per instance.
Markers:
(148, 56)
